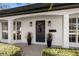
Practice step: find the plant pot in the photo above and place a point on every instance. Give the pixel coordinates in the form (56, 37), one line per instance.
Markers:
(29, 42)
(49, 43)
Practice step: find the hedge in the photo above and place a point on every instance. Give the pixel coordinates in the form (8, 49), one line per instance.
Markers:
(60, 52)
(9, 50)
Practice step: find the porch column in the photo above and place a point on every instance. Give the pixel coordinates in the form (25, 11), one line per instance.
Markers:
(10, 30)
(0, 31)
(65, 31)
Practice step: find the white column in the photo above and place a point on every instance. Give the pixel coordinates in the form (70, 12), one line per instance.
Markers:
(23, 31)
(65, 31)
(10, 31)
(0, 31)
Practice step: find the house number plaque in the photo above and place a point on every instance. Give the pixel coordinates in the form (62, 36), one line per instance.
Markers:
(52, 30)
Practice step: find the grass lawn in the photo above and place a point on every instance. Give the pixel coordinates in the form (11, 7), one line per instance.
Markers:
(9, 50)
(60, 52)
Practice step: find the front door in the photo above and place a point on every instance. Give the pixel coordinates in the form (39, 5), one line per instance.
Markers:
(40, 31)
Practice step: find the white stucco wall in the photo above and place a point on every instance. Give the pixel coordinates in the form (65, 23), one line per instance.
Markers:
(56, 23)
(0, 31)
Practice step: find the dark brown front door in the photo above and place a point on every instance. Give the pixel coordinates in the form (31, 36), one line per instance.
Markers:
(40, 31)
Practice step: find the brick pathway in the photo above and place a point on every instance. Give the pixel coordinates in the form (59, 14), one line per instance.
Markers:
(33, 50)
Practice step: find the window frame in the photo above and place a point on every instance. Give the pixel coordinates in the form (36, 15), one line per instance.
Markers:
(15, 30)
(71, 32)
(4, 31)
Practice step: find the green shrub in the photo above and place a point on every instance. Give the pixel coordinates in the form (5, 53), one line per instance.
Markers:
(9, 50)
(60, 52)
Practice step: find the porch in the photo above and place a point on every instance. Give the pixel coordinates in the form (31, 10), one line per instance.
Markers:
(56, 17)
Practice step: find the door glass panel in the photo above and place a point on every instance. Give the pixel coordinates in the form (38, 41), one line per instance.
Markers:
(40, 29)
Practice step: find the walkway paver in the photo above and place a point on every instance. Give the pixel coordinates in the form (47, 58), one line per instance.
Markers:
(32, 50)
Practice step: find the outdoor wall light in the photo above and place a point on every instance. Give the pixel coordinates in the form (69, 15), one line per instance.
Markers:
(30, 23)
(49, 23)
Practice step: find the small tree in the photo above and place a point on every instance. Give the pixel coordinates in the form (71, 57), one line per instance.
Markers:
(29, 38)
(49, 39)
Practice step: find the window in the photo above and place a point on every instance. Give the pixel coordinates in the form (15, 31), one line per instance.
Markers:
(17, 30)
(4, 25)
(72, 38)
(4, 35)
(74, 30)
(72, 25)
(72, 20)
(4, 30)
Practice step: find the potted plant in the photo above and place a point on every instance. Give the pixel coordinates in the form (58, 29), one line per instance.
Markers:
(29, 38)
(49, 39)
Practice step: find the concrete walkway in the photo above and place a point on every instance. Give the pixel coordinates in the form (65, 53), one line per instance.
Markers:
(33, 50)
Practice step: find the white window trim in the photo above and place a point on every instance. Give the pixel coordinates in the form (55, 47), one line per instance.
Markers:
(15, 31)
(76, 33)
(4, 30)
